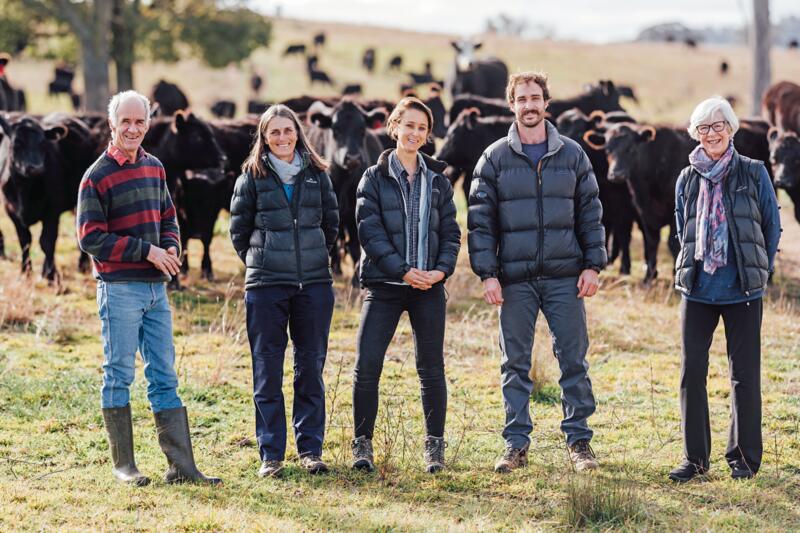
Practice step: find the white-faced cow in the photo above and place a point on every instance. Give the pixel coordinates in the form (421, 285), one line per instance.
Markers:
(484, 77)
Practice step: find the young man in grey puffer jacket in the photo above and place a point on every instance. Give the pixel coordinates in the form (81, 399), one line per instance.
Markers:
(537, 242)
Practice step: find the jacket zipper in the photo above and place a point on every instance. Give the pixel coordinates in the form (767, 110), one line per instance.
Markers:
(540, 266)
(294, 204)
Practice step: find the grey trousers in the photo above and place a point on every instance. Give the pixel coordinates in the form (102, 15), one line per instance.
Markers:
(566, 318)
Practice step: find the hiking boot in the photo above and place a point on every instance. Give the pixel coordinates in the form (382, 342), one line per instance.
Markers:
(686, 471)
(512, 459)
(582, 456)
(313, 464)
(270, 468)
(362, 454)
(741, 470)
(120, 442)
(434, 454)
(172, 426)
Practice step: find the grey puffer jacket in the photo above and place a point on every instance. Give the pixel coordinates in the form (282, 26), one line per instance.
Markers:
(529, 222)
(381, 218)
(283, 243)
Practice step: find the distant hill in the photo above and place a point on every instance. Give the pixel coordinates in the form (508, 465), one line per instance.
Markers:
(783, 32)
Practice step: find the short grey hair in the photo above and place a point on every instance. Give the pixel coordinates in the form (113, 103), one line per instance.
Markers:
(117, 99)
(706, 109)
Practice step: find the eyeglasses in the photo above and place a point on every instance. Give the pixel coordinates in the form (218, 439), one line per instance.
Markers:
(703, 129)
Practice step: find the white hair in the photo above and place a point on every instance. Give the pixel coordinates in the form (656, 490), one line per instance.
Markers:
(117, 99)
(706, 109)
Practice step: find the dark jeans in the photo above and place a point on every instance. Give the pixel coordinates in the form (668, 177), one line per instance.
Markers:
(558, 300)
(743, 334)
(379, 317)
(307, 313)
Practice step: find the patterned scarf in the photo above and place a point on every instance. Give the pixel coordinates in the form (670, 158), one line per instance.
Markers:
(712, 223)
(286, 171)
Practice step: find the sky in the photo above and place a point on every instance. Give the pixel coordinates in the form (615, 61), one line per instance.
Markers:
(586, 20)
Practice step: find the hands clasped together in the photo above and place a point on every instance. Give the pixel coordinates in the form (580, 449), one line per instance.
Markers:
(167, 261)
(423, 279)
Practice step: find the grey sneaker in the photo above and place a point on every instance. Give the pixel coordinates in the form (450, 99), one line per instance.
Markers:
(270, 468)
(434, 454)
(362, 454)
(313, 464)
(512, 459)
(582, 456)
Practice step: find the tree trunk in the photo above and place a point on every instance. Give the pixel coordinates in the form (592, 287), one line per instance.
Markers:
(760, 43)
(123, 30)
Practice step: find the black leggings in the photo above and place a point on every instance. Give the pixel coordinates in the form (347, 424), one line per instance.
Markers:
(743, 335)
(379, 317)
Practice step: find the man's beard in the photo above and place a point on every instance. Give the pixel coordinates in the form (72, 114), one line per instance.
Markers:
(531, 120)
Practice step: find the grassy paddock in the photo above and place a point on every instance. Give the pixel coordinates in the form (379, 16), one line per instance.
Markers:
(55, 463)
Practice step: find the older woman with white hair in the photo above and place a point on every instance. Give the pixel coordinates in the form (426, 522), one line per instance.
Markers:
(728, 228)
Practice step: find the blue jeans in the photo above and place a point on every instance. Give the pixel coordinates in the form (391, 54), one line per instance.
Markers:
(558, 300)
(136, 316)
(307, 313)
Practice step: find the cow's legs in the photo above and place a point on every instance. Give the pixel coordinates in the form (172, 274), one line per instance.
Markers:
(336, 262)
(207, 272)
(353, 248)
(24, 236)
(652, 238)
(47, 241)
(2, 246)
(84, 263)
(622, 237)
(184, 254)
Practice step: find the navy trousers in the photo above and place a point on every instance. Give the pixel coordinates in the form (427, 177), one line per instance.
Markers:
(307, 313)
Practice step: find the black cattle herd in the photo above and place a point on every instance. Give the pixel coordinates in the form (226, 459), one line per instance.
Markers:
(42, 159)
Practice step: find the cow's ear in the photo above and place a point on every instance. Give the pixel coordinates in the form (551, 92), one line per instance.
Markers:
(607, 86)
(4, 126)
(377, 115)
(772, 134)
(178, 121)
(472, 118)
(321, 120)
(595, 139)
(56, 133)
(647, 133)
(477, 46)
(155, 110)
(455, 46)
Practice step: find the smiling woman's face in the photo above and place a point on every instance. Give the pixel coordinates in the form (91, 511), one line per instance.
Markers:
(282, 138)
(715, 142)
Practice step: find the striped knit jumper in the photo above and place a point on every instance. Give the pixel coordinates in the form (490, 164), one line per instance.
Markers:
(123, 208)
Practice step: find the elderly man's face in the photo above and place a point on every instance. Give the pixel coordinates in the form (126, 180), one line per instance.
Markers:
(714, 142)
(132, 123)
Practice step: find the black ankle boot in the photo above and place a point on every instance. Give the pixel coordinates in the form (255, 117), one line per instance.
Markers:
(120, 441)
(173, 437)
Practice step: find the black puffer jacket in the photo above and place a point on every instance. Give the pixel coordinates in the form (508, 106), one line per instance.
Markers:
(283, 244)
(381, 219)
(529, 223)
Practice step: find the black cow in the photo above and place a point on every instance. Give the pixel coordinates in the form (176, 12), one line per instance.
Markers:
(435, 104)
(224, 109)
(300, 104)
(319, 39)
(341, 135)
(186, 143)
(484, 77)
(293, 49)
(256, 107)
(319, 76)
(418, 78)
(169, 98)
(649, 159)
(785, 158)
(396, 62)
(466, 140)
(35, 184)
(723, 68)
(368, 60)
(603, 97)
(352, 89)
(618, 211)
(486, 107)
(256, 82)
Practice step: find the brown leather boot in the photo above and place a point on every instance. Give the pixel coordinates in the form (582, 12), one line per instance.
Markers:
(176, 443)
(120, 441)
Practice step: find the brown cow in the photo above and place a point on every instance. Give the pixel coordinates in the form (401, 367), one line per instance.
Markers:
(781, 106)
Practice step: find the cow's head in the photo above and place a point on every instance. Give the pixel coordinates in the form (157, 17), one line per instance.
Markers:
(785, 158)
(27, 143)
(465, 53)
(435, 104)
(348, 123)
(459, 138)
(574, 123)
(621, 144)
(195, 141)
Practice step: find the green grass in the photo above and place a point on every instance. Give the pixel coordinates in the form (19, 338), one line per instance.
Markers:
(54, 460)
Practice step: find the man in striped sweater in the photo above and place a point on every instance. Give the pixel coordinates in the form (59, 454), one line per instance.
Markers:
(127, 224)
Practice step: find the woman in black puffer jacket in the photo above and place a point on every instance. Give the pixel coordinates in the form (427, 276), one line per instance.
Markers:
(284, 221)
(407, 227)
